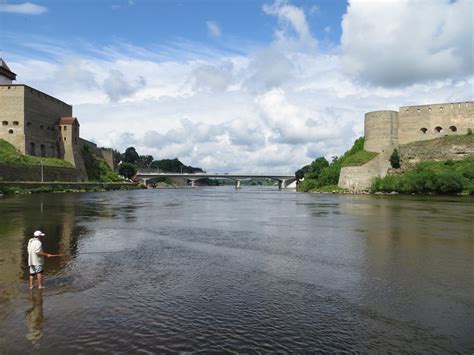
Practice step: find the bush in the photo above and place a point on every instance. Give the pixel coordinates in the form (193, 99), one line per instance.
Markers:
(431, 177)
(395, 159)
(97, 169)
(128, 170)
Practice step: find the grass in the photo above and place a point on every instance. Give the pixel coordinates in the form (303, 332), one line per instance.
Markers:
(359, 158)
(10, 155)
(431, 177)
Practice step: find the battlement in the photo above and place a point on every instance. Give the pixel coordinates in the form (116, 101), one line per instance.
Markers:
(440, 108)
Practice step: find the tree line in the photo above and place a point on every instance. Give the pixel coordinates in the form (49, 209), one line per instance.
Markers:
(129, 162)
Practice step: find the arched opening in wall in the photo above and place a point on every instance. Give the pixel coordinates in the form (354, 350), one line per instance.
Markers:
(10, 131)
(423, 130)
(43, 150)
(32, 149)
(453, 129)
(438, 129)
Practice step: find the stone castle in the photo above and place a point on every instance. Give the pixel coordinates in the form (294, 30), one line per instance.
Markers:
(40, 125)
(386, 130)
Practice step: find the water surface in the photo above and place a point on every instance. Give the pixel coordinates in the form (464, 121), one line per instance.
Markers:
(215, 270)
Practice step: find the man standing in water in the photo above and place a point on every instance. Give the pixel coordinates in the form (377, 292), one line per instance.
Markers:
(36, 259)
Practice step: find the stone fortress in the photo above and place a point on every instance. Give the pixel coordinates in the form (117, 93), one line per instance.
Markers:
(38, 124)
(386, 130)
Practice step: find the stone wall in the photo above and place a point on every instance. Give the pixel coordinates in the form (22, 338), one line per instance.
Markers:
(424, 122)
(42, 113)
(12, 106)
(9, 172)
(380, 130)
(359, 178)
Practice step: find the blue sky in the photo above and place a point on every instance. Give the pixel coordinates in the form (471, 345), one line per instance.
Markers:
(239, 86)
(147, 22)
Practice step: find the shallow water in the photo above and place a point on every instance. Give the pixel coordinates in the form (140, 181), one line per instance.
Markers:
(215, 270)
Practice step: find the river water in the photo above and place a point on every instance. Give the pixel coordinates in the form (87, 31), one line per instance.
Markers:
(258, 270)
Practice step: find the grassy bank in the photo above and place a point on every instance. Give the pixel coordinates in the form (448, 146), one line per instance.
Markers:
(322, 176)
(11, 188)
(431, 177)
(9, 155)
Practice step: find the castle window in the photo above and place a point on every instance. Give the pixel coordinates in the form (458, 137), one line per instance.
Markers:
(28, 124)
(15, 123)
(43, 150)
(65, 128)
(64, 138)
(453, 129)
(41, 127)
(5, 123)
(10, 131)
(424, 130)
(438, 129)
(32, 149)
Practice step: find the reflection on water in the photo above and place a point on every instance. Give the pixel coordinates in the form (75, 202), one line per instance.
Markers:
(213, 269)
(35, 317)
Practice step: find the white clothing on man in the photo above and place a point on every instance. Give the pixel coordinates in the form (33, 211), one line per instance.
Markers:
(35, 246)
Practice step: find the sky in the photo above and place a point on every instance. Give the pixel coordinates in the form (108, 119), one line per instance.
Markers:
(239, 86)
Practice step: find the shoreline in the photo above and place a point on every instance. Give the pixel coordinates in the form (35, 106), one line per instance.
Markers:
(28, 187)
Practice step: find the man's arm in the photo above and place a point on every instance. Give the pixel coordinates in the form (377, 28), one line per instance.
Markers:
(42, 253)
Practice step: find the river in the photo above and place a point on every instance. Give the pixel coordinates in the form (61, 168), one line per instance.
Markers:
(256, 270)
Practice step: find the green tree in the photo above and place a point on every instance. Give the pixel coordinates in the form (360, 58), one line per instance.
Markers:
(395, 159)
(128, 170)
(316, 167)
(144, 161)
(130, 156)
(300, 172)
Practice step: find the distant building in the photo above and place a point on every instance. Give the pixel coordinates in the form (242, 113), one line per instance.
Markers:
(38, 124)
(385, 131)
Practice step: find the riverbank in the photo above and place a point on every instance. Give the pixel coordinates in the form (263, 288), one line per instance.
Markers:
(28, 187)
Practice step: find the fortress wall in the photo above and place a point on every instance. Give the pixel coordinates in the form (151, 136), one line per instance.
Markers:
(41, 115)
(12, 105)
(359, 178)
(380, 130)
(10, 172)
(417, 123)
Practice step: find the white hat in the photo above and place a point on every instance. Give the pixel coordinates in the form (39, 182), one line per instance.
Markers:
(38, 234)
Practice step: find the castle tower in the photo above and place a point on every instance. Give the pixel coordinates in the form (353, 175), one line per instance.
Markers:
(69, 143)
(6, 75)
(381, 131)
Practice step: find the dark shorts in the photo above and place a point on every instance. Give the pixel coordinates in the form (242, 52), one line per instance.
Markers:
(36, 269)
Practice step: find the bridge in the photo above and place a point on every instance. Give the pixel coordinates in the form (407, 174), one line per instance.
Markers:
(283, 180)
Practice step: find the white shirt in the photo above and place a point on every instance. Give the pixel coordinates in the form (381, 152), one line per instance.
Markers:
(34, 247)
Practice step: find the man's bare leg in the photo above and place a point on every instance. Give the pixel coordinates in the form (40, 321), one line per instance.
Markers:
(32, 278)
(40, 280)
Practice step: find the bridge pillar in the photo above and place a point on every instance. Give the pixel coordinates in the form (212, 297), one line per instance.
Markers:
(193, 184)
(283, 184)
(237, 184)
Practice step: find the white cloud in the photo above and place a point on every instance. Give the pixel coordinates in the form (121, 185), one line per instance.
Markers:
(213, 29)
(291, 19)
(393, 43)
(274, 108)
(117, 87)
(26, 8)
